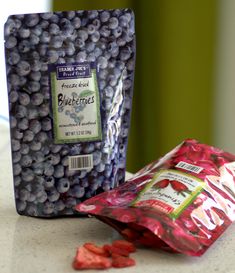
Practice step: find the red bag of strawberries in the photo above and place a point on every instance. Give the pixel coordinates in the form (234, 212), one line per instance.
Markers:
(181, 203)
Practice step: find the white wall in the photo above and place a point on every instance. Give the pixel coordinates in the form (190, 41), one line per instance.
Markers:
(14, 7)
(224, 112)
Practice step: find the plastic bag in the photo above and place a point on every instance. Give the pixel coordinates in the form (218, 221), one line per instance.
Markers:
(70, 78)
(180, 203)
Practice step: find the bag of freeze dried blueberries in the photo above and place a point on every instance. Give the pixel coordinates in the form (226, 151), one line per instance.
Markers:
(180, 203)
(70, 79)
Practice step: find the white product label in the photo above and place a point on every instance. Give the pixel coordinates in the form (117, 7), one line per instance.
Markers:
(75, 103)
(80, 162)
(170, 191)
(189, 167)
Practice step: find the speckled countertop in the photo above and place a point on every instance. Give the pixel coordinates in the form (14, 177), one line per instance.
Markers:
(30, 245)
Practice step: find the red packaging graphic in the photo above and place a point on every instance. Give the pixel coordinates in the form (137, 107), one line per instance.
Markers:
(91, 256)
(181, 203)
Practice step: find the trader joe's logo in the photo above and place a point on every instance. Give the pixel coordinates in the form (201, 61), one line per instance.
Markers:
(73, 71)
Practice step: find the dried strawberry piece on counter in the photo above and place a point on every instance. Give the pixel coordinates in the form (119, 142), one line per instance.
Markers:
(115, 250)
(91, 256)
(130, 234)
(97, 249)
(85, 259)
(125, 245)
(121, 261)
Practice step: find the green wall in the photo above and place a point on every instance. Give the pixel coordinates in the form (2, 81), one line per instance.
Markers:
(173, 94)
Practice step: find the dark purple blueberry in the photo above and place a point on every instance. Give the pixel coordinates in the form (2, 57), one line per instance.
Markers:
(27, 175)
(13, 122)
(35, 146)
(90, 46)
(24, 32)
(31, 20)
(59, 171)
(48, 169)
(47, 15)
(28, 136)
(26, 161)
(32, 113)
(41, 196)
(35, 76)
(81, 56)
(37, 99)
(18, 134)
(16, 168)
(24, 46)
(38, 157)
(102, 62)
(105, 31)
(42, 49)
(95, 37)
(23, 68)
(17, 181)
(56, 41)
(13, 58)
(59, 205)
(63, 185)
(78, 191)
(104, 16)
(10, 42)
(23, 124)
(54, 29)
(54, 18)
(46, 124)
(24, 149)
(96, 157)
(82, 34)
(44, 24)
(96, 23)
(91, 29)
(21, 205)
(35, 65)
(16, 156)
(53, 195)
(37, 30)
(48, 208)
(52, 56)
(24, 99)
(117, 32)
(113, 23)
(10, 27)
(76, 22)
(13, 96)
(91, 57)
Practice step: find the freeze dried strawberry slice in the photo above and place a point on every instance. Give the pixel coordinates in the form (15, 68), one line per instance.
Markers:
(85, 259)
(97, 249)
(130, 234)
(115, 250)
(120, 261)
(124, 245)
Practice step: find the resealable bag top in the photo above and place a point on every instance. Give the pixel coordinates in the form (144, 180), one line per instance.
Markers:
(180, 203)
(70, 80)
